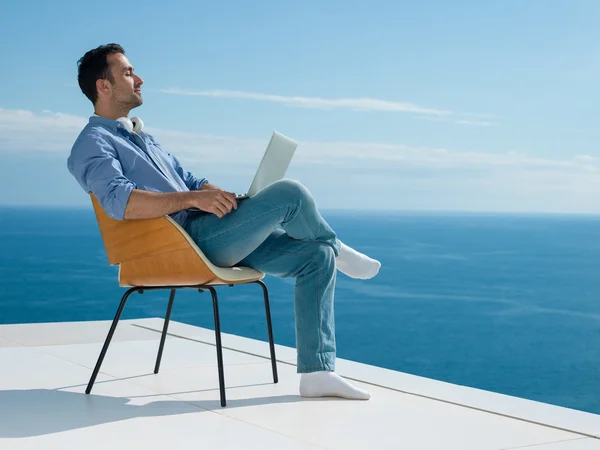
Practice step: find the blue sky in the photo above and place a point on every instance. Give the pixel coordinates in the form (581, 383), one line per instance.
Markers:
(431, 105)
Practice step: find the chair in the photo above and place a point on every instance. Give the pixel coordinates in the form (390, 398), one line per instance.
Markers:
(157, 254)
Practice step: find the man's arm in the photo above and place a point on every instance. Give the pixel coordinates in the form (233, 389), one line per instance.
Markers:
(146, 205)
(94, 163)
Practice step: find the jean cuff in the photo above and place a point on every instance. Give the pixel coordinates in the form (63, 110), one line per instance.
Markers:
(326, 366)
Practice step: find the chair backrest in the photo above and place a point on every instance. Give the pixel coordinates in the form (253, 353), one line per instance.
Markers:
(158, 252)
(126, 240)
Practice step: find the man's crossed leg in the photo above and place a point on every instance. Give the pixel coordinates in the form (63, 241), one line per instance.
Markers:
(304, 248)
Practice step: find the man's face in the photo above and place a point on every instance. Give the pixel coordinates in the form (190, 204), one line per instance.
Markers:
(126, 90)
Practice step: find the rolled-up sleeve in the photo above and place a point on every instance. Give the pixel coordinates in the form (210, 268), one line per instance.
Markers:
(93, 162)
(191, 181)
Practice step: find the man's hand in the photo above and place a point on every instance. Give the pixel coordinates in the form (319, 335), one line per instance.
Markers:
(215, 201)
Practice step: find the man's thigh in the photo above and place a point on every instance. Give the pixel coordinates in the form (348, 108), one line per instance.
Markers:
(281, 256)
(227, 240)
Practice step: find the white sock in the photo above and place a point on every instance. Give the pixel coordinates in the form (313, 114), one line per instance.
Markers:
(329, 384)
(355, 264)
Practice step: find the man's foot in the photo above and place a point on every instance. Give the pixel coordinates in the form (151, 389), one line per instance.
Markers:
(329, 384)
(355, 264)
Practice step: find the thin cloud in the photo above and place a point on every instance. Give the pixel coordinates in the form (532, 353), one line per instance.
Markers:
(354, 104)
(475, 123)
(446, 178)
(586, 158)
(24, 130)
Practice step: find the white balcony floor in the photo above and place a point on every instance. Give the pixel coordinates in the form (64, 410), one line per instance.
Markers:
(44, 369)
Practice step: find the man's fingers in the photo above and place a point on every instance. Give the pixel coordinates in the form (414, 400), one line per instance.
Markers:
(217, 208)
(221, 207)
(223, 202)
(228, 203)
(230, 198)
(216, 211)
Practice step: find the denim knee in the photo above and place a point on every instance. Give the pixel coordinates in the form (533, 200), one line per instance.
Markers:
(324, 257)
(291, 190)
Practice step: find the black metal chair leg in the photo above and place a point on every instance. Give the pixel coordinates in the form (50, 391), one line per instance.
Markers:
(270, 329)
(109, 337)
(218, 342)
(164, 331)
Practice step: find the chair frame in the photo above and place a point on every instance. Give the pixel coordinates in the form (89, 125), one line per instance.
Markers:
(215, 301)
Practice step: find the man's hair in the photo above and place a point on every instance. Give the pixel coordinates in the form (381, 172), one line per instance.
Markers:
(93, 66)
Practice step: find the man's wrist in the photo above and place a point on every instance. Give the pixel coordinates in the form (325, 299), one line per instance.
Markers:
(188, 199)
(209, 186)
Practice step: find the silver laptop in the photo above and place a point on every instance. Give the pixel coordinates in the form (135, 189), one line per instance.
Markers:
(274, 164)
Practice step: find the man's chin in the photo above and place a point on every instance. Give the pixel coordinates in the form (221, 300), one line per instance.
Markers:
(137, 101)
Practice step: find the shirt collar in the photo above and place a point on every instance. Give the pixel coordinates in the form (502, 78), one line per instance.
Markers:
(109, 123)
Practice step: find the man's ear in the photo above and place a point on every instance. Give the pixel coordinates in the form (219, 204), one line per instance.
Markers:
(103, 86)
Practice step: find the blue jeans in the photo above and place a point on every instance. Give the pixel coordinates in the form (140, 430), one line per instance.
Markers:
(280, 232)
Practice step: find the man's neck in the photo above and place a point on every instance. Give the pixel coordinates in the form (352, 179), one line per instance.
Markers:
(109, 113)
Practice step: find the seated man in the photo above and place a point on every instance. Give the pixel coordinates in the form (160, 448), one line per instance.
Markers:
(279, 231)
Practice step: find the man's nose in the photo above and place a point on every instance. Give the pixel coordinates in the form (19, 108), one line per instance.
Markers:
(139, 80)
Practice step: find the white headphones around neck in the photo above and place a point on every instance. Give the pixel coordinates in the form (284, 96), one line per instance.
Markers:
(133, 125)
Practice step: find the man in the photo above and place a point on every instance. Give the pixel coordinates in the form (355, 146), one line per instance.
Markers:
(279, 231)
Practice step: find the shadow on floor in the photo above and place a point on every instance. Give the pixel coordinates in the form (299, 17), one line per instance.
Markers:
(35, 412)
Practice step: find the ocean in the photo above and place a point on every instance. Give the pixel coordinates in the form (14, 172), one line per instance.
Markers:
(506, 303)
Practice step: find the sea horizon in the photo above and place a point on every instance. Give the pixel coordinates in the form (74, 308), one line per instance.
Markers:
(424, 212)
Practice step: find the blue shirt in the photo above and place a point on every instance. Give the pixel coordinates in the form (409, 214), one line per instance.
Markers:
(110, 162)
